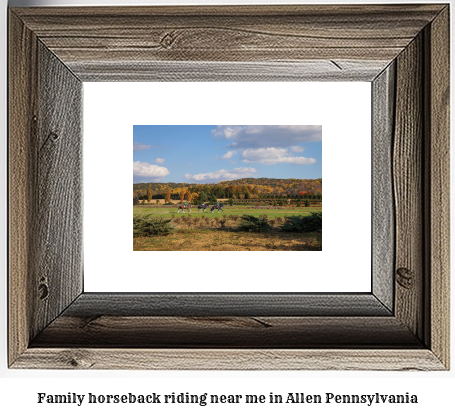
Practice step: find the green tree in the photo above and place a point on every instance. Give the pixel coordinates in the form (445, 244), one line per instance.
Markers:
(203, 196)
(149, 195)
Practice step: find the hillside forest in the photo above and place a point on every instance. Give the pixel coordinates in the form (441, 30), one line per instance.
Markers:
(248, 188)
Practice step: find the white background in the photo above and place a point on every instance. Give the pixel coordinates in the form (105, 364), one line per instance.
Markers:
(18, 389)
(343, 110)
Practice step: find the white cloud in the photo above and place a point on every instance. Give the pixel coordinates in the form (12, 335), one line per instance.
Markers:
(150, 171)
(220, 175)
(158, 160)
(272, 155)
(228, 155)
(226, 131)
(140, 146)
(262, 136)
(297, 149)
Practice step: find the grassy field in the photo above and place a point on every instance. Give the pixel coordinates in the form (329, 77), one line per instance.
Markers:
(205, 231)
(168, 211)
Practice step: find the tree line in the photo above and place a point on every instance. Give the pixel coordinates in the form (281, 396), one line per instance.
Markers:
(237, 189)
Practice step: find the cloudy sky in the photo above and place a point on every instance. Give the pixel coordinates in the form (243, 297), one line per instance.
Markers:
(213, 153)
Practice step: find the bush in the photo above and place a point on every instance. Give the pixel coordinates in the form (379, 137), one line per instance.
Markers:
(231, 202)
(253, 224)
(307, 203)
(149, 225)
(310, 223)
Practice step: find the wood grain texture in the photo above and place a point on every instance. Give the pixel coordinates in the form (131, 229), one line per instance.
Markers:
(22, 95)
(228, 34)
(229, 359)
(383, 215)
(257, 332)
(53, 49)
(408, 188)
(438, 198)
(308, 71)
(212, 305)
(57, 271)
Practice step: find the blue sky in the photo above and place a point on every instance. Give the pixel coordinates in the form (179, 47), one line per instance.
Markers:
(211, 153)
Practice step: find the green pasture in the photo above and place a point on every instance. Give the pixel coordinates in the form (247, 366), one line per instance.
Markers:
(168, 211)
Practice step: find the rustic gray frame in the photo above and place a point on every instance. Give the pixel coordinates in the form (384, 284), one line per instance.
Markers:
(403, 324)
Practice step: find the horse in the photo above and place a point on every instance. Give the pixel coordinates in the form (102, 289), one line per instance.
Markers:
(202, 207)
(220, 207)
(183, 207)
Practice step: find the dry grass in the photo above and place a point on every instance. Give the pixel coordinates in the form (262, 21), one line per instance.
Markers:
(190, 239)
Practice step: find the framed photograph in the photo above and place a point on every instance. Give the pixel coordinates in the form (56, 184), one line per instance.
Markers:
(399, 196)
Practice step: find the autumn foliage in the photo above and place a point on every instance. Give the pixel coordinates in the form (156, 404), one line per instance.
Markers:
(236, 189)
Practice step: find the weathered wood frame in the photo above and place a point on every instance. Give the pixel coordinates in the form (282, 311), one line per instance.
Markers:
(403, 50)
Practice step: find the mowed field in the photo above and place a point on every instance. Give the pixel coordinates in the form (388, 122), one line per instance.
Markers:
(206, 231)
(168, 211)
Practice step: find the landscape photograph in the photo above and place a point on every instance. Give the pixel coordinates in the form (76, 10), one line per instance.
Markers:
(227, 188)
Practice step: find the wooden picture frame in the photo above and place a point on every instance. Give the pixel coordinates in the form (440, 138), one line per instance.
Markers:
(403, 324)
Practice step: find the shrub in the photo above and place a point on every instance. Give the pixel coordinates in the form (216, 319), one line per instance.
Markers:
(251, 223)
(310, 223)
(149, 225)
(231, 202)
(307, 203)
(235, 218)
